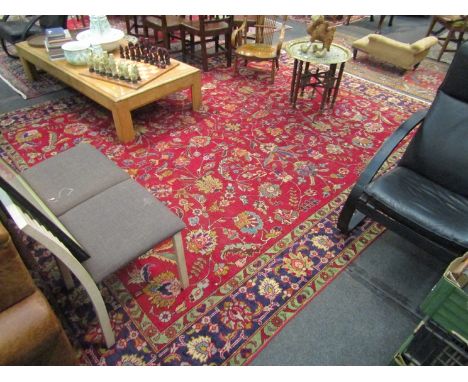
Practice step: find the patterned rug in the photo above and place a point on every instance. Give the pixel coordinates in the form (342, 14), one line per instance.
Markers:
(422, 82)
(259, 186)
(12, 73)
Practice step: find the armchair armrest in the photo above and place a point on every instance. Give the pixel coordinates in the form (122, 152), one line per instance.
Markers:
(374, 166)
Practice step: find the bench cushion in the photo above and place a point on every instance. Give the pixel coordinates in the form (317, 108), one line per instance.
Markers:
(122, 223)
(72, 177)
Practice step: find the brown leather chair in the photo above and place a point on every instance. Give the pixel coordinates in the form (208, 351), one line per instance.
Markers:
(30, 333)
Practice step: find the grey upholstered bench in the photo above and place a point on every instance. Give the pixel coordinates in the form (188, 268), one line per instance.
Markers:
(108, 214)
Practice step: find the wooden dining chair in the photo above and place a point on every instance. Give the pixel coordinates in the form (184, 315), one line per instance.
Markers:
(208, 29)
(133, 24)
(169, 27)
(266, 46)
(455, 26)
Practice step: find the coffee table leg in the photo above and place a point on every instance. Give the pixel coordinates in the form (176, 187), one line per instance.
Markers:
(196, 92)
(29, 69)
(123, 124)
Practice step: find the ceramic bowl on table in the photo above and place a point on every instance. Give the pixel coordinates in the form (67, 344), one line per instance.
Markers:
(109, 40)
(76, 52)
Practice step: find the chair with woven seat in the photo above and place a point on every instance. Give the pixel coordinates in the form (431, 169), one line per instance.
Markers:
(166, 25)
(424, 198)
(265, 47)
(14, 31)
(453, 25)
(208, 29)
(91, 215)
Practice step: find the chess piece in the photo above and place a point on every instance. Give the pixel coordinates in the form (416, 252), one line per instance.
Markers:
(167, 58)
(125, 72)
(127, 53)
(122, 54)
(133, 73)
(90, 62)
(96, 64)
(121, 69)
(162, 62)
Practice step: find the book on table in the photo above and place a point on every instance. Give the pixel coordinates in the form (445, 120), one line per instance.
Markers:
(54, 42)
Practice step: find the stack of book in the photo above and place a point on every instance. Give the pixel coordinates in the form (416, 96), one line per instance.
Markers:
(55, 38)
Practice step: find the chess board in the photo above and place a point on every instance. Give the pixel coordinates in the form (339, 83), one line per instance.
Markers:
(147, 72)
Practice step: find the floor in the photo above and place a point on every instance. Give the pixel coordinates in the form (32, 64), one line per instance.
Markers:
(367, 312)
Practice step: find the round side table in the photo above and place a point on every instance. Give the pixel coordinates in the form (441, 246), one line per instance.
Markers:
(327, 80)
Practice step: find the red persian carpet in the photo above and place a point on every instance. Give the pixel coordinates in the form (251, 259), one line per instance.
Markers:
(258, 184)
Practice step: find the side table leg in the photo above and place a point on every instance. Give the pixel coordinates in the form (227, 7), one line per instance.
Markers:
(293, 81)
(298, 83)
(337, 85)
(196, 92)
(331, 84)
(29, 69)
(326, 88)
(305, 72)
(123, 124)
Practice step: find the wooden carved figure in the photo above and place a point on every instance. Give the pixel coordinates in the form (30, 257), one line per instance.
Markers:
(320, 30)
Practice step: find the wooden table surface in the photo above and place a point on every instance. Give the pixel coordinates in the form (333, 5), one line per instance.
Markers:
(120, 100)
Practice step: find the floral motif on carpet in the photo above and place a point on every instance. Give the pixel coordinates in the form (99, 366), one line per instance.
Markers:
(259, 186)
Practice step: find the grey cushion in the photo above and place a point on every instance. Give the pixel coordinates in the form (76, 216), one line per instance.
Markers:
(118, 225)
(73, 176)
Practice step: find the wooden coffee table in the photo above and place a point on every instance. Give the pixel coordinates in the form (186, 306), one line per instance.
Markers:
(118, 99)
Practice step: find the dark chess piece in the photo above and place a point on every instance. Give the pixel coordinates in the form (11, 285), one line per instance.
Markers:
(167, 58)
(122, 54)
(127, 53)
(161, 56)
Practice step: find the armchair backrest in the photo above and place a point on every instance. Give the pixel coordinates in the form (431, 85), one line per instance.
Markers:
(439, 150)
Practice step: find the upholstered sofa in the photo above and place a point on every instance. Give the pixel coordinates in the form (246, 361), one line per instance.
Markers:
(402, 55)
(30, 333)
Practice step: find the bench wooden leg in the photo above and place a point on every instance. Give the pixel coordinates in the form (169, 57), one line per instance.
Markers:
(66, 274)
(180, 256)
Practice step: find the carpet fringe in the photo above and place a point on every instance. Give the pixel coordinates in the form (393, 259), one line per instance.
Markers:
(12, 87)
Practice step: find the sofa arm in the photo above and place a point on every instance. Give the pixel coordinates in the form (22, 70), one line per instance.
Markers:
(31, 334)
(15, 281)
(423, 44)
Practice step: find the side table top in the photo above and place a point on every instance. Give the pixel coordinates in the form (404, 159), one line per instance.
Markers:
(336, 55)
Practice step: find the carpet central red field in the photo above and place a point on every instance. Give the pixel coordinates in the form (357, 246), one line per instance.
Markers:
(245, 174)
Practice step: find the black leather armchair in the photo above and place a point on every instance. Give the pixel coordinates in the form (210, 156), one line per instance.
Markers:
(13, 31)
(425, 197)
